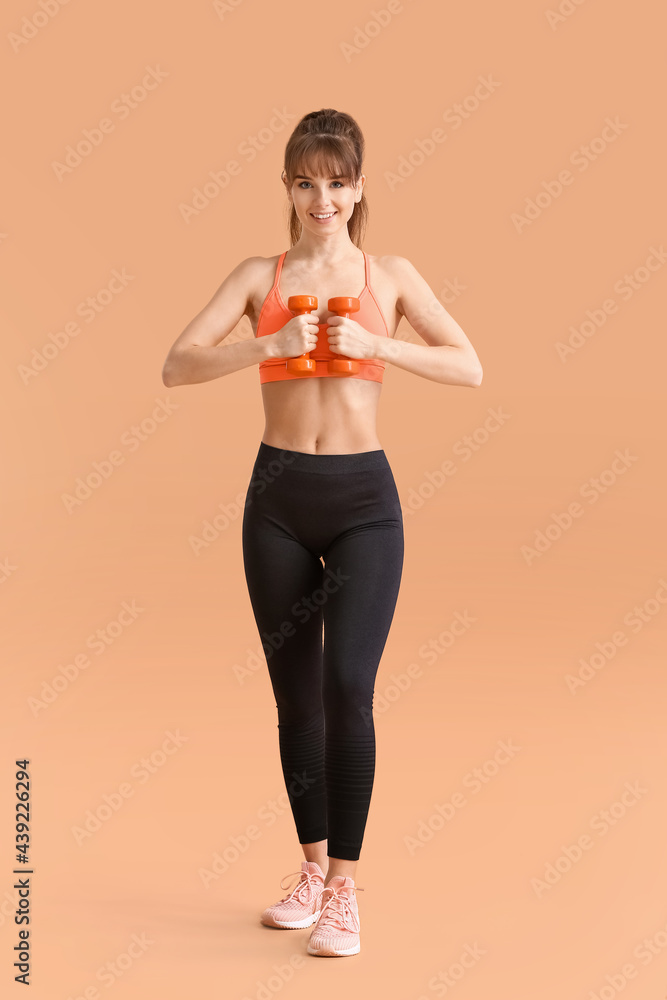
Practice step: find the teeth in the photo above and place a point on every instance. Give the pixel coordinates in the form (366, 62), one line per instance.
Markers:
(324, 216)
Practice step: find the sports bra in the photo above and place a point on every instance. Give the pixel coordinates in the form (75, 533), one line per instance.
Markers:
(274, 314)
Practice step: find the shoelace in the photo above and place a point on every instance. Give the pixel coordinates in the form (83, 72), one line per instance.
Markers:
(337, 910)
(307, 882)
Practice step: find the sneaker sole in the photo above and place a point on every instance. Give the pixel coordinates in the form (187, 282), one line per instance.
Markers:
(332, 953)
(289, 925)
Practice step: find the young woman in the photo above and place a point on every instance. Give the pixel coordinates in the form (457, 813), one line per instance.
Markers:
(322, 531)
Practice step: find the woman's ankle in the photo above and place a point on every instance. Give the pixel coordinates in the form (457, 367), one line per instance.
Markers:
(340, 866)
(316, 852)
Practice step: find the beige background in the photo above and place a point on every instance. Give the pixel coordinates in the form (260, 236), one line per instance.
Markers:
(173, 668)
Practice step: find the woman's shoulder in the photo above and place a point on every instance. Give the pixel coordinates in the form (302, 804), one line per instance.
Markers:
(257, 263)
(390, 263)
(256, 275)
(254, 271)
(391, 268)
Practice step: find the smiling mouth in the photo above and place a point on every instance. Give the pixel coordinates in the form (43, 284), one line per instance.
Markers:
(327, 216)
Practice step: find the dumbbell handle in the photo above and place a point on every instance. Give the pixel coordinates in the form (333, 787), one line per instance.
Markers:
(301, 304)
(343, 305)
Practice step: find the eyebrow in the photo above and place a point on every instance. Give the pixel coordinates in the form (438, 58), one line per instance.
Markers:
(334, 177)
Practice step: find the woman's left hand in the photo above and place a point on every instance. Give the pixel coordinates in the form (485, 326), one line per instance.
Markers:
(347, 337)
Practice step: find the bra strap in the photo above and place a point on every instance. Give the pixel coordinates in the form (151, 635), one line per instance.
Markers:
(278, 270)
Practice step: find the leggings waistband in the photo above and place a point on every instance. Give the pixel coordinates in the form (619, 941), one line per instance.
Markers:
(328, 464)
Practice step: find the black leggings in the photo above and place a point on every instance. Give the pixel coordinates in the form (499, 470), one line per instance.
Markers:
(346, 509)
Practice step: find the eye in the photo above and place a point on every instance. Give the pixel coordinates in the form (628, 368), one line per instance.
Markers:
(301, 183)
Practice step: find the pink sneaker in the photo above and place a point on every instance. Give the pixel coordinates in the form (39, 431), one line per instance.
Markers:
(337, 929)
(300, 908)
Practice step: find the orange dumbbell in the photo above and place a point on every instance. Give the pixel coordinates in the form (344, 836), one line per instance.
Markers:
(343, 305)
(304, 364)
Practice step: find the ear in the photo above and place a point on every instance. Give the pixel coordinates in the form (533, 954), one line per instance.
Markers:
(360, 187)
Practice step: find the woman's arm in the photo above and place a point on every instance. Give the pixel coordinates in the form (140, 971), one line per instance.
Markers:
(198, 355)
(448, 355)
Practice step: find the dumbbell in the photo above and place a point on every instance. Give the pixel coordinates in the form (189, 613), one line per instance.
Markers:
(304, 364)
(343, 305)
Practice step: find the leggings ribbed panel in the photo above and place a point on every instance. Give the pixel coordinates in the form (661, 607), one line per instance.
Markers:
(324, 622)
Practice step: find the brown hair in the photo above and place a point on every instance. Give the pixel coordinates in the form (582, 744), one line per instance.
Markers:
(328, 142)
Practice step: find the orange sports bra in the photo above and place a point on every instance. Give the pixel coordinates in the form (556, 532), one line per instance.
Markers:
(274, 314)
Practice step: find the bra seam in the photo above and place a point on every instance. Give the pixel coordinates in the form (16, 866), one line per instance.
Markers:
(365, 365)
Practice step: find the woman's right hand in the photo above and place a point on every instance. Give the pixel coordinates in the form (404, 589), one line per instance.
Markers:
(297, 337)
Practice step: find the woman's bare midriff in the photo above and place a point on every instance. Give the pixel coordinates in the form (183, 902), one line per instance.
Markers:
(325, 415)
(322, 416)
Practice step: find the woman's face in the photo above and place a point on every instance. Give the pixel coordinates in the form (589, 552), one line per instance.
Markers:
(315, 195)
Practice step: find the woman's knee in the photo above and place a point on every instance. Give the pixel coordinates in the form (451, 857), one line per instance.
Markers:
(350, 698)
(299, 716)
